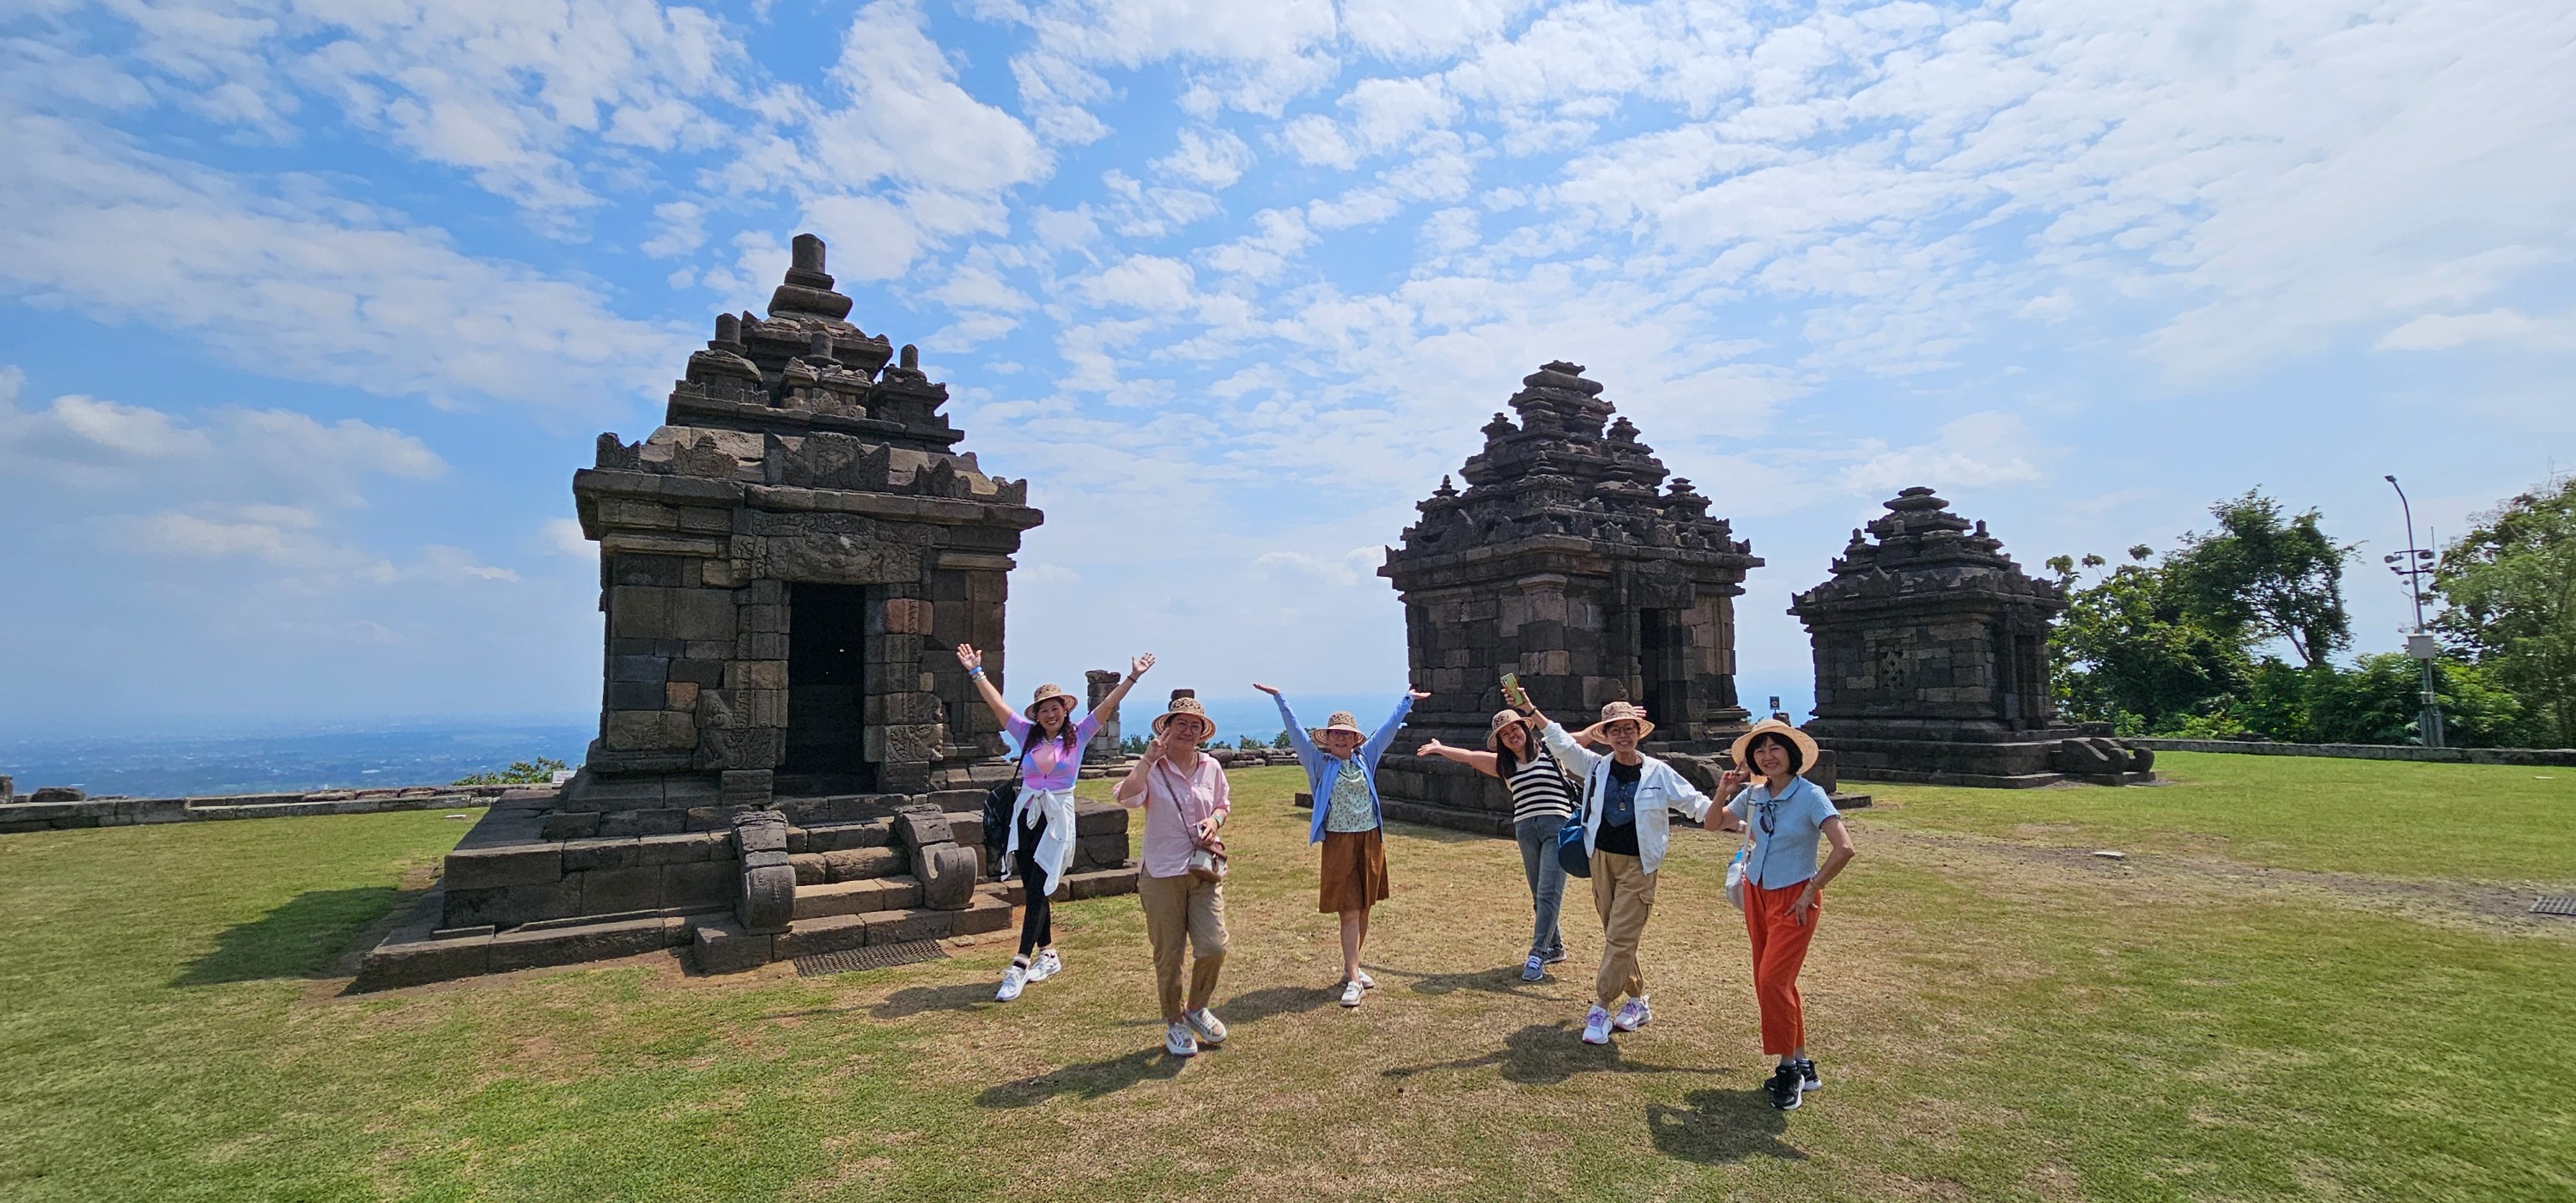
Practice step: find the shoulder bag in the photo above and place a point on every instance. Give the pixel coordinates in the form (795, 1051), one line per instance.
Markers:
(1571, 855)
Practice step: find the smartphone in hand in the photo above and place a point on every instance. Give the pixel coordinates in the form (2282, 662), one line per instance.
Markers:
(1513, 695)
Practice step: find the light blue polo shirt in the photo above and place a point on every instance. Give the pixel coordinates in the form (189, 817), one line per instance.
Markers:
(1785, 855)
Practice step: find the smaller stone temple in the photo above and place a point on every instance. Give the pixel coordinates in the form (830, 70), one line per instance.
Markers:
(1569, 560)
(790, 760)
(1932, 666)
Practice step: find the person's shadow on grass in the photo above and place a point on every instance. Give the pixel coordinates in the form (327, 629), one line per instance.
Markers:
(1544, 1054)
(1499, 980)
(1091, 1080)
(1720, 1125)
(1257, 1005)
(913, 1000)
(301, 937)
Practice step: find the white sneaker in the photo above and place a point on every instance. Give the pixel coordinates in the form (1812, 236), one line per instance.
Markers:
(1352, 993)
(1596, 1026)
(1046, 966)
(1366, 982)
(1014, 979)
(1210, 1029)
(1179, 1041)
(1633, 1014)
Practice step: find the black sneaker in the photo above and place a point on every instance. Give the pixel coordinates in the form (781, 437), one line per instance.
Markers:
(1807, 1079)
(1784, 1088)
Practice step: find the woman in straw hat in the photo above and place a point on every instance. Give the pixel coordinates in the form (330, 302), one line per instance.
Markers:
(1783, 886)
(1626, 795)
(1040, 845)
(1542, 800)
(1341, 770)
(1185, 800)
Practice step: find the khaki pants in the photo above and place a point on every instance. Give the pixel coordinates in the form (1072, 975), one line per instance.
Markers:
(1184, 913)
(1624, 893)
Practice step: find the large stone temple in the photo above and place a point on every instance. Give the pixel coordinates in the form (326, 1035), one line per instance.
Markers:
(790, 760)
(1570, 560)
(1932, 665)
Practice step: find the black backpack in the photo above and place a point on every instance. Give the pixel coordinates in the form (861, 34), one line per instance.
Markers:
(999, 802)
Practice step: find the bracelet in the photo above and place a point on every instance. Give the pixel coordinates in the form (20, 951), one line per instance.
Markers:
(974, 672)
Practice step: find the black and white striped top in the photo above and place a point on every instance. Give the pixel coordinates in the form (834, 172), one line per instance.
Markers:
(1540, 790)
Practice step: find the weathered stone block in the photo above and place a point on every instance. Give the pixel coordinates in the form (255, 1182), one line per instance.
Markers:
(708, 884)
(684, 848)
(611, 891)
(768, 897)
(701, 673)
(585, 855)
(809, 866)
(824, 933)
(395, 964)
(854, 864)
(722, 946)
(514, 865)
(510, 906)
(574, 945)
(948, 874)
(1099, 818)
(905, 926)
(1100, 851)
(921, 825)
(747, 786)
(984, 914)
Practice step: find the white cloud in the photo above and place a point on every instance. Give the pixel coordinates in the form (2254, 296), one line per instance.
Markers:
(1147, 282)
(2443, 331)
(295, 291)
(563, 537)
(1210, 159)
(1978, 450)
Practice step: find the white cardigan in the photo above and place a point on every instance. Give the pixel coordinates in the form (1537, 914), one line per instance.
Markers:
(1659, 789)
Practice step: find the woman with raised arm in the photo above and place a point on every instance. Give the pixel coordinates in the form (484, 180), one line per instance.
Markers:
(1341, 771)
(1185, 800)
(1783, 887)
(1040, 846)
(1626, 796)
(1542, 800)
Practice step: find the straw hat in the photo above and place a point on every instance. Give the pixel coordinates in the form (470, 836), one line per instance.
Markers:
(1617, 712)
(1502, 719)
(1771, 726)
(1339, 720)
(1185, 701)
(1045, 693)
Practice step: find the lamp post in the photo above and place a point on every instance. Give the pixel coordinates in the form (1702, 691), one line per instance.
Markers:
(2412, 565)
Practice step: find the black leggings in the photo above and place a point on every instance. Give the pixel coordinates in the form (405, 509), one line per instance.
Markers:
(1037, 918)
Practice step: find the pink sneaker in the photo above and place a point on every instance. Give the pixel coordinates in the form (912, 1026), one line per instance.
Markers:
(1633, 1015)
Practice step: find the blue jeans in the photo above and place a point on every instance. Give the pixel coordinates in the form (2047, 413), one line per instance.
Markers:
(1546, 883)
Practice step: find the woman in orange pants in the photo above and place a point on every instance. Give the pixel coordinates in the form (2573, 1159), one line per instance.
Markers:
(1783, 885)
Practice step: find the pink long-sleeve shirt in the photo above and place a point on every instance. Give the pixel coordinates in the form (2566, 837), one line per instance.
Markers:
(1174, 804)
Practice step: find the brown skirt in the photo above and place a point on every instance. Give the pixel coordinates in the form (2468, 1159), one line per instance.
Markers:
(1354, 871)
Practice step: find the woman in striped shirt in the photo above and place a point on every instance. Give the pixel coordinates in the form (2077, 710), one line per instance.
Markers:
(1542, 800)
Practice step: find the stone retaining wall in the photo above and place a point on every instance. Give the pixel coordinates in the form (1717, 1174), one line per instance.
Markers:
(128, 812)
(2527, 757)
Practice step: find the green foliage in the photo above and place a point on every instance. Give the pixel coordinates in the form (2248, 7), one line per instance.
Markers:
(1246, 743)
(2261, 577)
(1133, 745)
(521, 772)
(2129, 653)
(2509, 589)
(1280, 741)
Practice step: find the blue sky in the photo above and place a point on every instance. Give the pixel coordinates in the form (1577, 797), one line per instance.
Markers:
(312, 309)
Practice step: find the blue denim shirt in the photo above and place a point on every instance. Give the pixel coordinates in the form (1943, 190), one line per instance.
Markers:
(1323, 770)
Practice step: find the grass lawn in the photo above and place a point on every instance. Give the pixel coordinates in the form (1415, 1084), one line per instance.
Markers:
(2300, 984)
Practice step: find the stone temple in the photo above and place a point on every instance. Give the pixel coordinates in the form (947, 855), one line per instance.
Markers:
(789, 760)
(1932, 665)
(1570, 560)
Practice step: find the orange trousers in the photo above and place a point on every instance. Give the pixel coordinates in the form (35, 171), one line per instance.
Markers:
(1779, 951)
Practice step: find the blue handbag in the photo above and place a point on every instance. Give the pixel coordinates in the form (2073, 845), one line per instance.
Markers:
(1571, 855)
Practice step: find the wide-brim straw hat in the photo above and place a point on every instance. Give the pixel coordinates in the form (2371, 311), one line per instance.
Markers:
(1046, 693)
(1806, 744)
(1502, 719)
(1339, 720)
(1617, 712)
(1185, 705)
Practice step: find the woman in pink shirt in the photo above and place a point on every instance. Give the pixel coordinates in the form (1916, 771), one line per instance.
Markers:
(1040, 845)
(1185, 801)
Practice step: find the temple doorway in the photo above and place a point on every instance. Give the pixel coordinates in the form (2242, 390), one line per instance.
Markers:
(826, 683)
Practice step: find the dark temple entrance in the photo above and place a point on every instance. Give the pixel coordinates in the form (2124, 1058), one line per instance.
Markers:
(1663, 666)
(826, 630)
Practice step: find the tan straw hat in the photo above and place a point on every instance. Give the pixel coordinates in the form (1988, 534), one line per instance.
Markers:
(1617, 712)
(1185, 701)
(1806, 744)
(1045, 693)
(1502, 719)
(1339, 720)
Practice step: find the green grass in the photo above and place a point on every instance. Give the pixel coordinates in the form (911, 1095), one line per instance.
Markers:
(2398, 819)
(1996, 1020)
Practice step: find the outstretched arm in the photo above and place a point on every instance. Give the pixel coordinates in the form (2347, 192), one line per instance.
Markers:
(1297, 737)
(1136, 670)
(1482, 762)
(1569, 753)
(974, 662)
(1131, 788)
(1376, 745)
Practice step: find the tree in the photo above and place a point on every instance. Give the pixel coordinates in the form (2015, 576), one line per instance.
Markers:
(2508, 589)
(521, 772)
(2260, 577)
(2131, 654)
(2378, 701)
(1281, 741)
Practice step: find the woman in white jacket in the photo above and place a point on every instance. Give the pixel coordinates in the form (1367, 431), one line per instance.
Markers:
(1626, 796)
